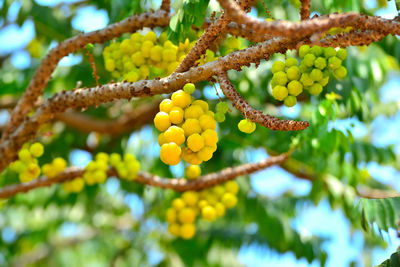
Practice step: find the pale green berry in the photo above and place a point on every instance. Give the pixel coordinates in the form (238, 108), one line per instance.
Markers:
(295, 88)
(279, 92)
(290, 101)
(277, 66)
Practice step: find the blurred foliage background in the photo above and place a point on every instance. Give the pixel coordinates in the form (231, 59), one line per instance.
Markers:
(352, 146)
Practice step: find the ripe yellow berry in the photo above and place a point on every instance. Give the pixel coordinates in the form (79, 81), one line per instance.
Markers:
(170, 153)
(210, 137)
(36, 150)
(169, 55)
(218, 190)
(48, 170)
(115, 159)
(193, 171)
(77, 185)
(229, 200)
(195, 142)
(175, 134)
(171, 215)
(191, 126)
(161, 139)
(220, 209)
(232, 187)
(151, 36)
(206, 153)
(33, 169)
(187, 230)
(25, 177)
(174, 229)
(99, 176)
(156, 53)
(59, 164)
(176, 115)
(211, 198)
(202, 203)
(161, 121)
(190, 157)
(208, 213)
(181, 99)
(166, 105)
(190, 198)
(187, 215)
(24, 155)
(207, 122)
(193, 112)
(178, 204)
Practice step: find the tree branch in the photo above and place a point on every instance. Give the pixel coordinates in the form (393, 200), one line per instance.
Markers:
(309, 27)
(256, 115)
(82, 98)
(305, 9)
(177, 184)
(165, 5)
(49, 63)
(210, 35)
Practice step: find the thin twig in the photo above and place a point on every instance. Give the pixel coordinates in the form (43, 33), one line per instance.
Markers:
(256, 115)
(305, 9)
(177, 184)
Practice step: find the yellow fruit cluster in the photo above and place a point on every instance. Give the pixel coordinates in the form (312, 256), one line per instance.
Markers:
(52, 169)
(185, 123)
(27, 165)
(209, 204)
(147, 56)
(96, 170)
(74, 186)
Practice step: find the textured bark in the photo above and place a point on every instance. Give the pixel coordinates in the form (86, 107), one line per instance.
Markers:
(165, 5)
(49, 63)
(177, 184)
(256, 115)
(207, 39)
(305, 9)
(309, 27)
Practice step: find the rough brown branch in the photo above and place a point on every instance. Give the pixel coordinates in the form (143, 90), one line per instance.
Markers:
(82, 98)
(309, 27)
(211, 33)
(177, 184)
(305, 9)
(165, 5)
(49, 63)
(256, 115)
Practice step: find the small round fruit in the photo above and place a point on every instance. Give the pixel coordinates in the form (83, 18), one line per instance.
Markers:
(334, 63)
(277, 66)
(187, 215)
(320, 63)
(279, 92)
(293, 73)
(190, 197)
(178, 204)
(170, 215)
(315, 89)
(222, 107)
(166, 105)
(280, 78)
(181, 99)
(195, 142)
(191, 126)
(232, 187)
(187, 230)
(220, 209)
(304, 49)
(176, 115)
(193, 171)
(208, 213)
(229, 200)
(309, 60)
(170, 153)
(174, 134)
(295, 88)
(219, 117)
(189, 88)
(210, 137)
(161, 121)
(342, 54)
(36, 150)
(207, 122)
(329, 52)
(341, 72)
(290, 101)
(174, 229)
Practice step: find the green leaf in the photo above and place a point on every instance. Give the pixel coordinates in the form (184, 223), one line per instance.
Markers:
(384, 212)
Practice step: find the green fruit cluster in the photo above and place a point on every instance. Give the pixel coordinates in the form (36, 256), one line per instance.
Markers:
(27, 164)
(147, 56)
(312, 74)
